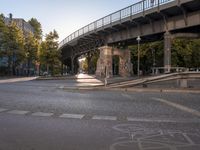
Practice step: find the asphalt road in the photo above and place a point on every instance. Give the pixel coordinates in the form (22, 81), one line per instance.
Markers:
(39, 115)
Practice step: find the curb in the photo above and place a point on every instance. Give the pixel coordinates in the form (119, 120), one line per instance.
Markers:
(57, 78)
(97, 88)
(162, 90)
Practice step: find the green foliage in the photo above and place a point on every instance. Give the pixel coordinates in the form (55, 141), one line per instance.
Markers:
(85, 65)
(181, 53)
(149, 52)
(93, 62)
(186, 52)
(13, 46)
(49, 54)
(31, 50)
(195, 45)
(90, 62)
(37, 28)
(3, 30)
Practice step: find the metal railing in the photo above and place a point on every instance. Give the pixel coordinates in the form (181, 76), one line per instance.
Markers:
(116, 16)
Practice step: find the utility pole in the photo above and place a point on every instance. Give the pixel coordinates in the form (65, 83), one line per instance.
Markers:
(138, 68)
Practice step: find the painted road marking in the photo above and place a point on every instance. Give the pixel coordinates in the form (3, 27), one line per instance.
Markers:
(73, 116)
(128, 96)
(97, 117)
(175, 120)
(42, 114)
(18, 112)
(3, 109)
(100, 117)
(178, 106)
(148, 120)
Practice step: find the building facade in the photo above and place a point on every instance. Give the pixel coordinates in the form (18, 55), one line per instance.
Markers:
(21, 24)
(26, 28)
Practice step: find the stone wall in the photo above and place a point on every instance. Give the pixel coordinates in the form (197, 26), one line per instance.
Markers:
(106, 59)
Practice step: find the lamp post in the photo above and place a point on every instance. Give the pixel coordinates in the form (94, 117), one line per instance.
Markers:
(154, 60)
(138, 68)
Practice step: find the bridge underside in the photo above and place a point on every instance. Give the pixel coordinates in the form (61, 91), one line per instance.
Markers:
(176, 19)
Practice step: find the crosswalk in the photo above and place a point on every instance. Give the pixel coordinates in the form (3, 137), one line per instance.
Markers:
(96, 117)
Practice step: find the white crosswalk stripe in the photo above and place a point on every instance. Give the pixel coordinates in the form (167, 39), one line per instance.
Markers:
(18, 112)
(97, 117)
(162, 120)
(73, 116)
(3, 109)
(42, 114)
(101, 117)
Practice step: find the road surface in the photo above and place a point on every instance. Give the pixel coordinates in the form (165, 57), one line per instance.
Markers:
(39, 115)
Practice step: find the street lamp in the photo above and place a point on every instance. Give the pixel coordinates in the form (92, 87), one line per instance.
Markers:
(154, 60)
(138, 68)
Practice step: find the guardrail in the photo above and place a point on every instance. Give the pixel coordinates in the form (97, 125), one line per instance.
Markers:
(116, 16)
(153, 79)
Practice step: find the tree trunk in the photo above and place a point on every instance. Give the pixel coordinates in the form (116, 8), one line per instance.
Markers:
(47, 68)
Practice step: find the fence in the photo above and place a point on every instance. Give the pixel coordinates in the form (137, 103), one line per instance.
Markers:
(116, 16)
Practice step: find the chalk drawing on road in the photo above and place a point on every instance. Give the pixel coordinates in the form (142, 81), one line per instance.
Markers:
(142, 138)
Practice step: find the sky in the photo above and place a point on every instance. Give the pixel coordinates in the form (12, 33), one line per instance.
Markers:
(65, 16)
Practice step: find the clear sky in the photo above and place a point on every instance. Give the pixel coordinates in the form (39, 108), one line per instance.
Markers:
(65, 16)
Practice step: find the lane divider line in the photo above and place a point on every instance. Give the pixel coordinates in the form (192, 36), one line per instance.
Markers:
(178, 106)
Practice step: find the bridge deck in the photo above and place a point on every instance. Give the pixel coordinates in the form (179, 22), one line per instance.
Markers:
(134, 14)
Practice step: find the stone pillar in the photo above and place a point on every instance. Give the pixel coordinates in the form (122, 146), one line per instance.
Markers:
(72, 65)
(167, 51)
(104, 62)
(125, 66)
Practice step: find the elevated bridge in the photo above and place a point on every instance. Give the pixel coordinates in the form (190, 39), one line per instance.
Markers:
(150, 19)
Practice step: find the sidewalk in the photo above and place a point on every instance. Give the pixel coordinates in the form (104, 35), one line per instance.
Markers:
(19, 79)
(82, 77)
(90, 83)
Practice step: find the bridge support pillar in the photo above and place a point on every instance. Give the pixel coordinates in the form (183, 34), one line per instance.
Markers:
(72, 65)
(167, 51)
(89, 63)
(105, 62)
(125, 65)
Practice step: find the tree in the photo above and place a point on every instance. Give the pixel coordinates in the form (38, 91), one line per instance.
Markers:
(14, 47)
(3, 58)
(195, 44)
(31, 48)
(38, 39)
(182, 52)
(3, 30)
(186, 52)
(150, 53)
(49, 55)
(90, 63)
(37, 28)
